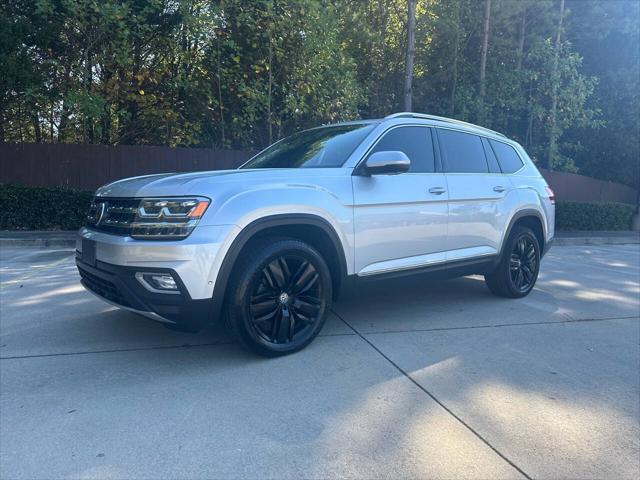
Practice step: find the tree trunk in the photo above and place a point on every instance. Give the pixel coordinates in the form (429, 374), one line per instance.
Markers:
(20, 122)
(219, 77)
(106, 125)
(37, 130)
(88, 121)
(553, 134)
(130, 133)
(523, 26)
(454, 79)
(51, 123)
(64, 118)
(3, 137)
(410, 55)
(485, 46)
(105, 116)
(64, 111)
(269, 93)
(528, 137)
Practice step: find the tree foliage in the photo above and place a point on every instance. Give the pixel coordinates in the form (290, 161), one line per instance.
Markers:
(242, 74)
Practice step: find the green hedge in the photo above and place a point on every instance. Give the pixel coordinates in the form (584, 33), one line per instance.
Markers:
(593, 216)
(38, 208)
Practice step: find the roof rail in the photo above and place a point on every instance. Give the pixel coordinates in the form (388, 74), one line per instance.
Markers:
(441, 119)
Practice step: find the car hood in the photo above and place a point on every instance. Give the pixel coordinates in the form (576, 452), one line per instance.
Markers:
(200, 183)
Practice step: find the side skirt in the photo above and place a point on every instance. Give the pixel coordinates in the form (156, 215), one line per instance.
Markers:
(461, 268)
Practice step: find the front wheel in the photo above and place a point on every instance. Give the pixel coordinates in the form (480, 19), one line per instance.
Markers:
(280, 295)
(518, 269)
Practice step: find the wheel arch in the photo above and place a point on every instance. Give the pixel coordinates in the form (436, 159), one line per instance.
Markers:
(309, 228)
(532, 219)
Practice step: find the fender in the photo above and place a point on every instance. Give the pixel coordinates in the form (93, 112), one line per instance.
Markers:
(257, 226)
(527, 212)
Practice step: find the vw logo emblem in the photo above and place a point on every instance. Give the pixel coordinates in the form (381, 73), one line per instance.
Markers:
(284, 298)
(100, 211)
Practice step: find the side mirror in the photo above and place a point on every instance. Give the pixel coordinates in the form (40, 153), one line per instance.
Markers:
(386, 163)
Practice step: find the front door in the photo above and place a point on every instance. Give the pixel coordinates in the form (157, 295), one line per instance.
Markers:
(401, 220)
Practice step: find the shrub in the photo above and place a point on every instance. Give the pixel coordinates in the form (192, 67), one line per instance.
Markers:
(593, 216)
(39, 208)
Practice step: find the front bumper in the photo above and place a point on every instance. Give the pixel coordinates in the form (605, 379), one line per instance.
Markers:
(118, 286)
(110, 263)
(196, 259)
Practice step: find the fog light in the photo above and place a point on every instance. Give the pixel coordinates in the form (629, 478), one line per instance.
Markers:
(158, 282)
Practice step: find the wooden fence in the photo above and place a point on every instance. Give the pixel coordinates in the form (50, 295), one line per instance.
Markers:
(579, 188)
(86, 167)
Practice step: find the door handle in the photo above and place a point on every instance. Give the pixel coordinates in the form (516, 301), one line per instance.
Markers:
(437, 190)
(499, 189)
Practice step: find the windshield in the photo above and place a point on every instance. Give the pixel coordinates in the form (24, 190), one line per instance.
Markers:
(324, 147)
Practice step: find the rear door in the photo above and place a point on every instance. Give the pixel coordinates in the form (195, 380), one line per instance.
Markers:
(401, 220)
(477, 192)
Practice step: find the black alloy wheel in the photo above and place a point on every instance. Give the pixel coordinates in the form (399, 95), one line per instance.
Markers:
(523, 264)
(279, 297)
(517, 271)
(286, 299)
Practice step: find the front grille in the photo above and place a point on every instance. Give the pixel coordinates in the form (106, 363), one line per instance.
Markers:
(103, 288)
(113, 215)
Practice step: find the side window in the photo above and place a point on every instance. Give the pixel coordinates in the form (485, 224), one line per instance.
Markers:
(509, 160)
(491, 157)
(415, 142)
(463, 152)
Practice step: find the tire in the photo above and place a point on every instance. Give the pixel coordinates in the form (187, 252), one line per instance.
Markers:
(517, 272)
(278, 297)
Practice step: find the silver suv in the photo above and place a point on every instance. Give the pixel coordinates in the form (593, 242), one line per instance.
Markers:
(267, 247)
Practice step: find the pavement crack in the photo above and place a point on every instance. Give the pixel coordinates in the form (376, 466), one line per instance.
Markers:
(117, 350)
(434, 398)
(499, 325)
(141, 349)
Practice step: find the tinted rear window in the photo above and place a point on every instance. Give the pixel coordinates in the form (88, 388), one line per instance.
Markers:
(491, 157)
(463, 152)
(507, 157)
(415, 142)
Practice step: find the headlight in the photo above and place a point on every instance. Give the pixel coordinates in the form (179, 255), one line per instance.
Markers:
(168, 218)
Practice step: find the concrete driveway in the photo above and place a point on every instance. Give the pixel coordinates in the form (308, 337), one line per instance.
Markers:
(409, 380)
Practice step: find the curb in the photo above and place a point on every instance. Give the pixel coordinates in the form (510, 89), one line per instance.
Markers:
(576, 241)
(38, 242)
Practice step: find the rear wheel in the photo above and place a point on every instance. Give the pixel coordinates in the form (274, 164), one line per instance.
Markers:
(518, 269)
(279, 297)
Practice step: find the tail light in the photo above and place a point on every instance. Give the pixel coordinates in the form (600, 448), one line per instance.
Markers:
(552, 196)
